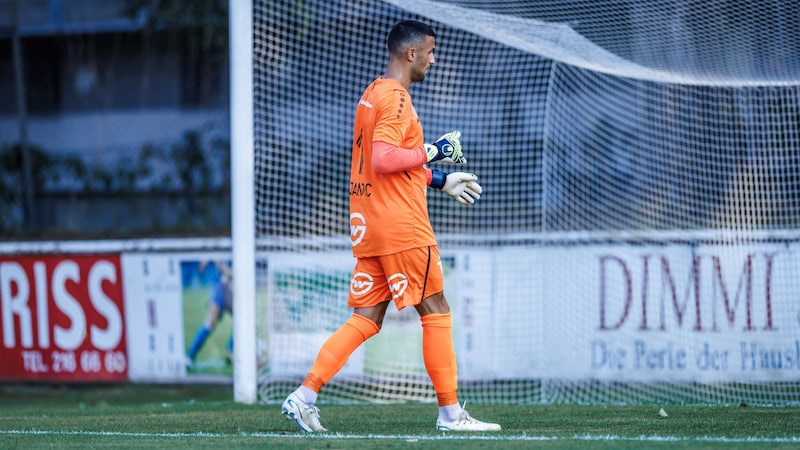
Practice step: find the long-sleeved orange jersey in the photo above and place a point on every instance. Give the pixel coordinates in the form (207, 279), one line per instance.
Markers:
(388, 211)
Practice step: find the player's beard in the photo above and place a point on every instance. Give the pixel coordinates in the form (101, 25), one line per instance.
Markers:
(418, 76)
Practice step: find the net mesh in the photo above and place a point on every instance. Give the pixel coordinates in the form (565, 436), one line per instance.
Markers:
(637, 238)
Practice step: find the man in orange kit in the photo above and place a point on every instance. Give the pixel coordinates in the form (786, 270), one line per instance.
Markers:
(391, 233)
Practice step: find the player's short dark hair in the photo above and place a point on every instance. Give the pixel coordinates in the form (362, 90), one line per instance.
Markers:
(407, 32)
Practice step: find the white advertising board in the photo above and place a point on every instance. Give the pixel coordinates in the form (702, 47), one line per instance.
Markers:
(167, 303)
(675, 312)
(154, 317)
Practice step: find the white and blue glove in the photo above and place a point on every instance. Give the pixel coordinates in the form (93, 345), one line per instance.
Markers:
(460, 186)
(446, 149)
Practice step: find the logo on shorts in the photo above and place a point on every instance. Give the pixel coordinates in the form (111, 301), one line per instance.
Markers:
(358, 228)
(397, 284)
(361, 283)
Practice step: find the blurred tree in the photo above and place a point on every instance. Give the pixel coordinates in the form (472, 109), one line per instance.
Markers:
(46, 170)
(208, 19)
(201, 27)
(22, 113)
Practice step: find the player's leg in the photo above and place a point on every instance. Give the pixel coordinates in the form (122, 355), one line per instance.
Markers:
(369, 309)
(438, 352)
(334, 353)
(300, 407)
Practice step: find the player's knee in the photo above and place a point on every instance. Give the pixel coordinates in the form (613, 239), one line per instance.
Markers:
(366, 326)
(374, 314)
(434, 304)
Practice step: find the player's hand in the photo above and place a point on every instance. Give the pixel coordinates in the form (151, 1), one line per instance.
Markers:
(462, 187)
(446, 149)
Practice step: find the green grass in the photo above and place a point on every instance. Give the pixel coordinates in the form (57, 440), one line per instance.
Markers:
(138, 416)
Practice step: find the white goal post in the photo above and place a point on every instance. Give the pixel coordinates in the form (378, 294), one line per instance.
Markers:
(639, 236)
(242, 200)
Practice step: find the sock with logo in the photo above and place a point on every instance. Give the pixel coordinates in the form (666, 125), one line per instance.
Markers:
(439, 356)
(337, 349)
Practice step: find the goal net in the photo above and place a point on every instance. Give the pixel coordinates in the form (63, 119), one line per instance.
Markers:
(638, 239)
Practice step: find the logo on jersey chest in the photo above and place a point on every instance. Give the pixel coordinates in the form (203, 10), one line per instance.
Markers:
(358, 228)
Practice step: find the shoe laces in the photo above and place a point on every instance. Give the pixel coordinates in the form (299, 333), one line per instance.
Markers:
(311, 409)
(464, 416)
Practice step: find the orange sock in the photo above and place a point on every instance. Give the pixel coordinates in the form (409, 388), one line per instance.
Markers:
(337, 349)
(439, 356)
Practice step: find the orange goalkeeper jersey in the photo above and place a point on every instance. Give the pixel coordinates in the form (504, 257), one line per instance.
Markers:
(388, 211)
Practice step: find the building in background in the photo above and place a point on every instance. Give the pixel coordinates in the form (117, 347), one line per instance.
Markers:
(127, 116)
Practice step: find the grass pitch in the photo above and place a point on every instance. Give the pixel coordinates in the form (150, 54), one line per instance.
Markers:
(138, 416)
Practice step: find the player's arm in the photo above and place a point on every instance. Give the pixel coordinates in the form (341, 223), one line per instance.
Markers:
(389, 158)
(460, 186)
(393, 116)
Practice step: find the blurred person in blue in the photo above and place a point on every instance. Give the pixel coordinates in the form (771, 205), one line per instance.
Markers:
(219, 302)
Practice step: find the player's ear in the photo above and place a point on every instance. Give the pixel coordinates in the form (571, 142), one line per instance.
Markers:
(411, 54)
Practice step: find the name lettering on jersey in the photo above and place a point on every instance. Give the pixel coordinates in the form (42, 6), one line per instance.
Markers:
(360, 189)
(397, 284)
(358, 228)
(361, 283)
(365, 103)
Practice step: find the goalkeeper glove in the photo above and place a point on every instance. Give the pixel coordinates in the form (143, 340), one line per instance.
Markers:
(446, 149)
(461, 186)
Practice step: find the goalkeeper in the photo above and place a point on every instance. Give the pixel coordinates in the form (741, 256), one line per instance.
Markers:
(391, 233)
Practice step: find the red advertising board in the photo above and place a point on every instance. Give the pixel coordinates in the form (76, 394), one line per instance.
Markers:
(62, 318)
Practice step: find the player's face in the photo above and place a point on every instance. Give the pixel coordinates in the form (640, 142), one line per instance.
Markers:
(423, 59)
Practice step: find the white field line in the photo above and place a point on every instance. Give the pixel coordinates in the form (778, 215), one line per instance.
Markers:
(413, 438)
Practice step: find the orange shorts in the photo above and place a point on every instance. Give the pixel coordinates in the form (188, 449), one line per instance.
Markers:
(407, 278)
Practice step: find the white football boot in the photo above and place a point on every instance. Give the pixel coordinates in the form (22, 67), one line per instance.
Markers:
(305, 416)
(465, 422)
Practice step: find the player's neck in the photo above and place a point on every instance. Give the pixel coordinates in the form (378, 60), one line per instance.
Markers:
(397, 72)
